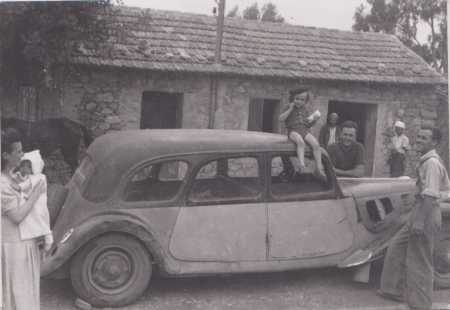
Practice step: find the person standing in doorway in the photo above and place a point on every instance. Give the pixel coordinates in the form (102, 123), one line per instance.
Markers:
(408, 264)
(329, 133)
(399, 147)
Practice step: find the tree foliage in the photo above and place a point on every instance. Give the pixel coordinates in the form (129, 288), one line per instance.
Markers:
(252, 12)
(234, 12)
(406, 19)
(38, 36)
(268, 13)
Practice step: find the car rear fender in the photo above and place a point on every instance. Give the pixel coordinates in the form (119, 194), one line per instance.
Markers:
(98, 225)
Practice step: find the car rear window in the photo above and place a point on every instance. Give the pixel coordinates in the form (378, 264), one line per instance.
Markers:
(160, 181)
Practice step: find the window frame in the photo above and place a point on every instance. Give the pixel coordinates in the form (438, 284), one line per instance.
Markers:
(331, 193)
(259, 156)
(175, 201)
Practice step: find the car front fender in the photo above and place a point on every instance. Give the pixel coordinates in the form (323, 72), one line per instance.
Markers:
(373, 250)
(100, 224)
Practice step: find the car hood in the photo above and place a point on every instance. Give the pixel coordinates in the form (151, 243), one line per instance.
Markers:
(364, 187)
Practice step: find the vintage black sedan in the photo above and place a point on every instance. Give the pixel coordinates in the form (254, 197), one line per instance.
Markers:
(194, 202)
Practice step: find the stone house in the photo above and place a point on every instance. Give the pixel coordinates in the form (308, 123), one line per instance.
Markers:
(160, 70)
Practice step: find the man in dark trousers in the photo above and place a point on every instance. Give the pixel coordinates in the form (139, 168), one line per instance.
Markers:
(329, 133)
(348, 155)
(399, 146)
(408, 264)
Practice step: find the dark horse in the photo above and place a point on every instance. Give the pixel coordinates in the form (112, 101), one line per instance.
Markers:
(47, 135)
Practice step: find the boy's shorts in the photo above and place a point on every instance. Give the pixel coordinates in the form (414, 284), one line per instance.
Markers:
(301, 130)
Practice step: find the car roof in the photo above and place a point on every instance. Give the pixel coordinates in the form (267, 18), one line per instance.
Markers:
(130, 145)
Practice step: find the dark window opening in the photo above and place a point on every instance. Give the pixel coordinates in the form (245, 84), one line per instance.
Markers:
(161, 110)
(263, 115)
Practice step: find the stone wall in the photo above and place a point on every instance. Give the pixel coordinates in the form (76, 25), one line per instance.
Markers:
(420, 107)
(110, 99)
(107, 100)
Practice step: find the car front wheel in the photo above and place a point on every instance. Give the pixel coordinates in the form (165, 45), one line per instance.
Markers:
(111, 270)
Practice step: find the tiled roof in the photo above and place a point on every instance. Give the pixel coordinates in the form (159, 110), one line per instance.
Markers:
(174, 41)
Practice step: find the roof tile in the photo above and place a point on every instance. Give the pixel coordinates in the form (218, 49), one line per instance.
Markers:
(164, 40)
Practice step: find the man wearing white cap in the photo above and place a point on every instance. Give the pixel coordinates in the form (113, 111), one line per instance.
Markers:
(399, 147)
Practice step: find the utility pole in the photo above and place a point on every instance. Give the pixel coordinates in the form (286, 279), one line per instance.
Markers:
(448, 101)
(217, 61)
(220, 22)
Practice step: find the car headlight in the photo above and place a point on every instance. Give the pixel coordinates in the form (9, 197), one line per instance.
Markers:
(66, 236)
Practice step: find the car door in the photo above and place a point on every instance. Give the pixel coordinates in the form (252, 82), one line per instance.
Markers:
(305, 218)
(225, 216)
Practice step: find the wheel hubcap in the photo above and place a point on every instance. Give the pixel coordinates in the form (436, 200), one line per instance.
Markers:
(111, 270)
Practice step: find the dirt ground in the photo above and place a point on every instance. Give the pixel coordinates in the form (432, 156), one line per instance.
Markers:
(311, 289)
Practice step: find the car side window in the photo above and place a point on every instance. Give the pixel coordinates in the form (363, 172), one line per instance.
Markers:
(156, 182)
(288, 182)
(208, 171)
(227, 180)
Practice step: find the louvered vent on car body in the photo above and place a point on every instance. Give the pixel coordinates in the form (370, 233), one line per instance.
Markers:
(379, 208)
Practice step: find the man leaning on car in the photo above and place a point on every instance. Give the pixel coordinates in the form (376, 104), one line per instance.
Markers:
(408, 264)
(348, 155)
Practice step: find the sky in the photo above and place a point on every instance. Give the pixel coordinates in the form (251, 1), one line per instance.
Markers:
(335, 14)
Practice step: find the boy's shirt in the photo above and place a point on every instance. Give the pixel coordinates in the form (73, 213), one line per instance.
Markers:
(298, 117)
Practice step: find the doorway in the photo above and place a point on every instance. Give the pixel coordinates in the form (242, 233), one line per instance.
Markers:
(365, 115)
(161, 110)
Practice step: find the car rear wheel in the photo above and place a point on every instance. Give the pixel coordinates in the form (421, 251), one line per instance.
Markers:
(111, 270)
(442, 257)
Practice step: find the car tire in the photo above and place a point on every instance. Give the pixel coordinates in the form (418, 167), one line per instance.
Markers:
(112, 270)
(442, 257)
